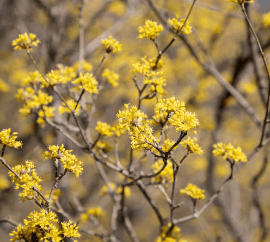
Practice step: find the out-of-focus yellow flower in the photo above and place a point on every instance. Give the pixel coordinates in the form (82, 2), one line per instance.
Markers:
(173, 236)
(25, 41)
(150, 30)
(266, 19)
(228, 151)
(177, 25)
(193, 192)
(9, 139)
(4, 87)
(95, 211)
(104, 190)
(111, 45)
(111, 77)
(4, 183)
(241, 1)
(71, 105)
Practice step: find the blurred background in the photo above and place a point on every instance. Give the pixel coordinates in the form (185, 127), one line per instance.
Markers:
(220, 36)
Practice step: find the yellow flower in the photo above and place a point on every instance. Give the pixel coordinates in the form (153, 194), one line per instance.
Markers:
(70, 161)
(86, 66)
(177, 25)
(70, 230)
(71, 104)
(241, 1)
(193, 192)
(28, 178)
(4, 183)
(40, 225)
(104, 190)
(228, 151)
(25, 41)
(111, 45)
(173, 236)
(4, 87)
(134, 122)
(104, 129)
(88, 82)
(167, 145)
(33, 78)
(167, 173)
(150, 30)
(165, 108)
(266, 19)
(111, 77)
(184, 120)
(190, 145)
(62, 75)
(47, 112)
(9, 139)
(95, 211)
(152, 76)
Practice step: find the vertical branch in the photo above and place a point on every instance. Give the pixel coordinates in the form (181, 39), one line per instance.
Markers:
(266, 119)
(81, 37)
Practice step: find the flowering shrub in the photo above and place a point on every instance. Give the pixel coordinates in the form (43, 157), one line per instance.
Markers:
(113, 128)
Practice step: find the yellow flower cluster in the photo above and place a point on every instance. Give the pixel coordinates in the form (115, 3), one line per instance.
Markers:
(104, 190)
(104, 129)
(70, 230)
(86, 66)
(166, 176)
(25, 41)
(45, 112)
(241, 1)
(4, 87)
(88, 82)
(191, 146)
(4, 183)
(63, 74)
(136, 124)
(34, 78)
(70, 161)
(32, 100)
(150, 30)
(173, 236)
(104, 146)
(9, 139)
(111, 45)
(228, 151)
(41, 225)
(178, 24)
(193, 191)
(28, 178)
(167, 145)
(175, 113)
(165, 108)
(95, 211)
(266, 19)
(71, 104)
(111, 77)
(152, 77)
